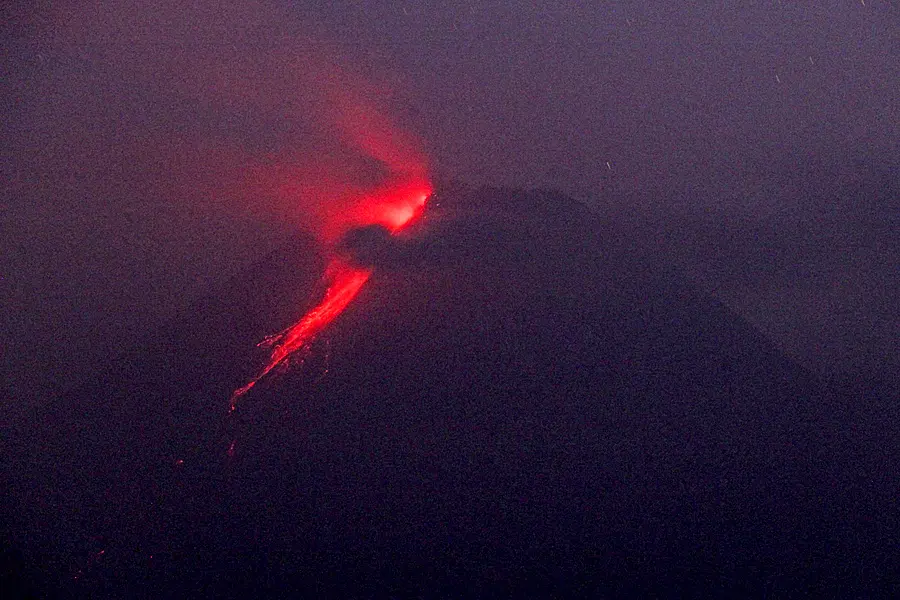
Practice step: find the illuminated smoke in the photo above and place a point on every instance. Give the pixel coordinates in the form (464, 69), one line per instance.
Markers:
(234, 107)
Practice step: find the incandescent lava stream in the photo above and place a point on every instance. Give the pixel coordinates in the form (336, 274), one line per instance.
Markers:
(386, 212)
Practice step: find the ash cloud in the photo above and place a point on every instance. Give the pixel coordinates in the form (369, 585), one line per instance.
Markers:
(237, 99)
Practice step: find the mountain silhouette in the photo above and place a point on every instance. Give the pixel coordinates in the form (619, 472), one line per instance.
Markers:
(524, 398)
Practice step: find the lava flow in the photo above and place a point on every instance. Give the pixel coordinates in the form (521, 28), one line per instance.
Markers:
(393, 207)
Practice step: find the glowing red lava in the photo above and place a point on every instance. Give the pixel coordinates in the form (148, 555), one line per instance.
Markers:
(345, 284)
(395, 207)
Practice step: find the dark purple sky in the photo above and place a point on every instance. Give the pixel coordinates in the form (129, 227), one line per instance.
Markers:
(763, 136)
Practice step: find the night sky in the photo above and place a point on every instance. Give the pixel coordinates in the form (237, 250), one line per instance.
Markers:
(152, 153)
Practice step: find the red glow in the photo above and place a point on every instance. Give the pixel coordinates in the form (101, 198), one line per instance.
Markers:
(346, 283)
(395, 206)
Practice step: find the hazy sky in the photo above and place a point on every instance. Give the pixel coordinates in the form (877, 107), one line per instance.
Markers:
(151, 152)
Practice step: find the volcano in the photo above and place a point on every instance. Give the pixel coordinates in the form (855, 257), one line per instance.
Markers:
(523, 399)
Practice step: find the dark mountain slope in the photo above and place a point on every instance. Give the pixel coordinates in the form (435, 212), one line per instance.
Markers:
(519, 400)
